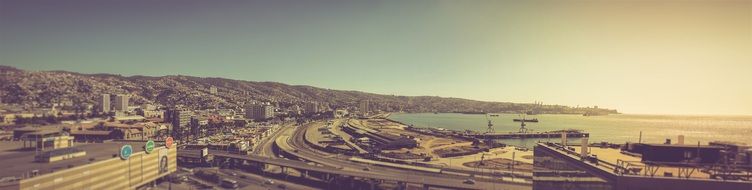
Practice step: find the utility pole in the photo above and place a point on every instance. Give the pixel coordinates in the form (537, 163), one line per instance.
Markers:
(513, 165)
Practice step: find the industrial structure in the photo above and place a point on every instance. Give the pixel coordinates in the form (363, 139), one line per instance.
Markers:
(718, 166)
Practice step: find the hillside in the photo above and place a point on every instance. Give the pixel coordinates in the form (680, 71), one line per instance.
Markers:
(40, 89)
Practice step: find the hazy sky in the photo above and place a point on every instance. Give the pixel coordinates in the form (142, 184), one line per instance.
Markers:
(662, 56)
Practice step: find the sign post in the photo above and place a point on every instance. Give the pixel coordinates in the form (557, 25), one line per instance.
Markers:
(126, 151)
(149, 147)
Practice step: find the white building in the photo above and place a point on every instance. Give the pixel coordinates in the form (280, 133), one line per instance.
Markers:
(104, 103)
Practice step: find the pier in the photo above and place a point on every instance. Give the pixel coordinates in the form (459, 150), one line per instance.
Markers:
(513, 135)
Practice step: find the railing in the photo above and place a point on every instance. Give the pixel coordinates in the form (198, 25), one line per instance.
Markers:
(685, 170)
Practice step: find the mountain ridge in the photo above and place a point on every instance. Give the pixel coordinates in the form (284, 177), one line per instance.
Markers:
(44, 88)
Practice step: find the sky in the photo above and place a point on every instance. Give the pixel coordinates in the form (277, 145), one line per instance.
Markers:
(639, 56)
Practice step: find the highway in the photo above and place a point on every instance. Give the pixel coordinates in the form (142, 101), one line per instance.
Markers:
(265, 146)
(304, 151)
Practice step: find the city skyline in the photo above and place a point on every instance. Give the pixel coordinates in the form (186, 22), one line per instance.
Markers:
(677, 57)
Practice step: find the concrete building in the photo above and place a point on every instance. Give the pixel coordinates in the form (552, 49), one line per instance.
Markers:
(310, 108)
(121, 103)
(213, 90)
(87, 166)
(104, 103)
(679, 167)
(259, 112)
(365, 107)
(180, 120)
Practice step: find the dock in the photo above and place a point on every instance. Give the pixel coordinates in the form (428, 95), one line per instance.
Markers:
(542, 135)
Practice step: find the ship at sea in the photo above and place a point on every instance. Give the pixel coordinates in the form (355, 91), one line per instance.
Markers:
(525, 120)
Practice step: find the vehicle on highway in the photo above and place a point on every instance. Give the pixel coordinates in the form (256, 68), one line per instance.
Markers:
(469, 181)
(187, 170)
(366, 169)
(282, 186)
(228, 183)
(268, 181)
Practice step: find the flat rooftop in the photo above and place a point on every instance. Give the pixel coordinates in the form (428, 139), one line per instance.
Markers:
(16, 161)
(609, 159)
(613, 156)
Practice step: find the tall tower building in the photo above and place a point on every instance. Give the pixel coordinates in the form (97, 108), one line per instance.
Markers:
(310, 108)
(364, 107)
(180, 120)
(121, 102)
(104, 103)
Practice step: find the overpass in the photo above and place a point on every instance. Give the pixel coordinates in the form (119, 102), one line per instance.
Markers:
(331, 174)
(337, 177)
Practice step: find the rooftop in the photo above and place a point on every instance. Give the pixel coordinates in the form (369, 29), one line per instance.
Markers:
(17, 161)
(616, 162)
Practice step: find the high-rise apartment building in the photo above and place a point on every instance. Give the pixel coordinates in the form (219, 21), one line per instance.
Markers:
(180, 120)
(121, 103)
(310, 108)
(259, 111)
(364, 107)
(104, 103)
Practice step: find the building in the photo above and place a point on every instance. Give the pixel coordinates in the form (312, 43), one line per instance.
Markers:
(364, 107)
(310, 108)
(638, 166)
(259, 112)
(10, 118)
(65, 165)
(197, 125)
(121, 103)
(104, 103)
(213, 90)
(180, 120)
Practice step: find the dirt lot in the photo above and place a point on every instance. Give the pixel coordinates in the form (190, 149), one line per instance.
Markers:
(427, 145)
(501, 164)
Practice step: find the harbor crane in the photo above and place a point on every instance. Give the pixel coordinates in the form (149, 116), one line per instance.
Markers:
(522, 123)
(490, 129)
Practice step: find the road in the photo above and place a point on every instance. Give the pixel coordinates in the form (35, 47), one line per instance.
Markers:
(297, 142)
(265, 146)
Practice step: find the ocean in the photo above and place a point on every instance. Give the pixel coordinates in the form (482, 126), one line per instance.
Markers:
(618, 128)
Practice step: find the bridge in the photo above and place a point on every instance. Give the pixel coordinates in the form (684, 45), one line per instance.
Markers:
(338, 177)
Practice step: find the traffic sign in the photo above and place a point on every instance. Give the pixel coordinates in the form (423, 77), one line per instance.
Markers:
(126, 151)
(149, 146)
(168, 142)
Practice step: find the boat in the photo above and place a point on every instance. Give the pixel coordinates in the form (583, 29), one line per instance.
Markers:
(471, 112)
(525, 120)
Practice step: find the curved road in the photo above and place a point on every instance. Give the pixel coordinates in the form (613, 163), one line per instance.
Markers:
(304, 151)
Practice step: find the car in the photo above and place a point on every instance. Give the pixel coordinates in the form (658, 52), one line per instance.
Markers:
(282, 186)
(366, 169)
(269, 181)
(469, 181)
(234, 174)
